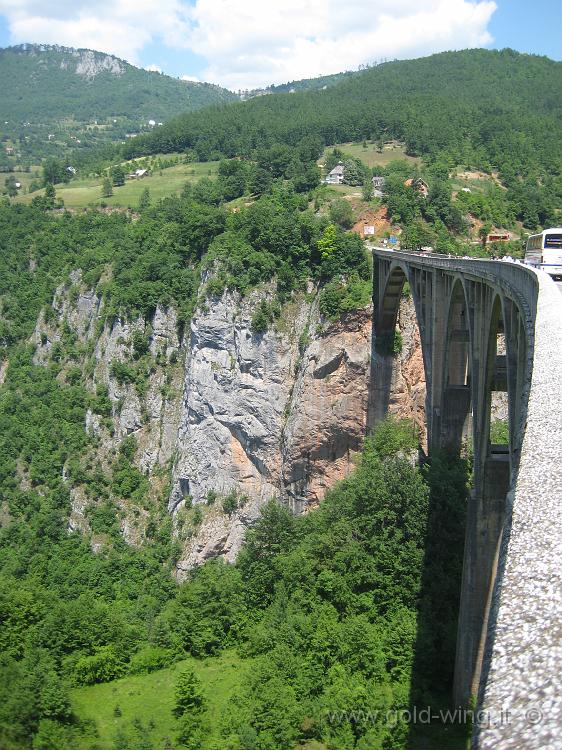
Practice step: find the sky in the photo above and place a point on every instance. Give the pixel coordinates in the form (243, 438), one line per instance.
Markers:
(243, 44)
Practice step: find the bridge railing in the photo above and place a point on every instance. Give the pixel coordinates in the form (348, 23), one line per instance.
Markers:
(521, 279)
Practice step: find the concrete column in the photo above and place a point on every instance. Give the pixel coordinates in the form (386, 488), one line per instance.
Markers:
(439, 306)
(485, 513)
(387, 292)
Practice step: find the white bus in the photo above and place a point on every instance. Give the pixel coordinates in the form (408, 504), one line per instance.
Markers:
(544, 251)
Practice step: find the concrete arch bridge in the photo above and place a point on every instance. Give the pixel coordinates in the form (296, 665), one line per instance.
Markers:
(488, 327)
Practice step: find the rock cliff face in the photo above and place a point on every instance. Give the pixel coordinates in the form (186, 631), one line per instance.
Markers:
(275, 415)
(230, 417)
(147, 409)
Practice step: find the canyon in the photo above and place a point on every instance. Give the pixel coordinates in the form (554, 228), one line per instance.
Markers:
(223, 412)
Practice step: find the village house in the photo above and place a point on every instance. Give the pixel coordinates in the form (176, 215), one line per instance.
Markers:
(335, 177)
(138, 174)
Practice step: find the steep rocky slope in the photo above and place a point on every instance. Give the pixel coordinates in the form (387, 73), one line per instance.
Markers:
(223, 418)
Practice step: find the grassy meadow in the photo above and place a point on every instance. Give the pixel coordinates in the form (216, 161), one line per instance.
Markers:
(80, 193)
(26, 178)
(371, 156)
(113, 706)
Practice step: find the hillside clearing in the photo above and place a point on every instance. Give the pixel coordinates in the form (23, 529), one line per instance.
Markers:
(162, 183)
(371, 156)
(150, 698)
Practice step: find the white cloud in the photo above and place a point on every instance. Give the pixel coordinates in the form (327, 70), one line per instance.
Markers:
(119, 27)
(153, 68)
(249, 43)
(258, 42)
(191, 78)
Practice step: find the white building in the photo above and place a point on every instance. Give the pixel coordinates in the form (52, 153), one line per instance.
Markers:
(335, 177)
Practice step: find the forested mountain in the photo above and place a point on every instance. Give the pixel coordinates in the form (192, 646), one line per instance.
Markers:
(58, 100)
(41, 83)
(303, 84)
(489, 108)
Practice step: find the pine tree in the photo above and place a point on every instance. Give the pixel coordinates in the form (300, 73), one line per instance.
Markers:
(106, 189)
(189, 696)
(367, 190)
(50, 195)
(10, 183)
(118, 176)
(144, 200)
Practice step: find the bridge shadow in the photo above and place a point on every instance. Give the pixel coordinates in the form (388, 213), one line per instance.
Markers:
(448, 477)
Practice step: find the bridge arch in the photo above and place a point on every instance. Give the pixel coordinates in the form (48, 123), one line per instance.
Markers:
(383, 351)
(508, 643)
(390, 305)
(456, 408)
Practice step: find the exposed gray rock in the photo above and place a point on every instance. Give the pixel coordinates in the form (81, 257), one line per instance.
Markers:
(274, 415)
(237, 387)
(90, 64)
(152, 416)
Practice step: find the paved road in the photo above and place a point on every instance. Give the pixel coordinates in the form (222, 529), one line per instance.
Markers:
(559, 285)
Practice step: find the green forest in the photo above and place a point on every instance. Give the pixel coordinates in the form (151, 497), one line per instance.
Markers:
(491, 109)
(488, 110)
(336, 623)
(61, 100)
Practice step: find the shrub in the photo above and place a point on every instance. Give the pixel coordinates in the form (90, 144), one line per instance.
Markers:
(394, 435)
(141, 344)
(230, 503)
(341, 213)
(263, 316)
(389, 344)
(197, 516)
(101, 403)
(102, 666)
(149, 659)
(122, 372)
(499, 432)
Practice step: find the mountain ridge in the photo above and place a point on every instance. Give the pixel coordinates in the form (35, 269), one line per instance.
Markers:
(483, 106)
(30, 72)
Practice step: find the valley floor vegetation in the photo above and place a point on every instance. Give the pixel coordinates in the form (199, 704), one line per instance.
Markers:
(347, 613)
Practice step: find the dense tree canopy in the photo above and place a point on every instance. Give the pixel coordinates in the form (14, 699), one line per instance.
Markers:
(481, 107)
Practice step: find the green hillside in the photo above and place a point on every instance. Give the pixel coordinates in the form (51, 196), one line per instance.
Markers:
(41, 83)
(489, 108)
(55, 99)
(304, 84)
(161, 182)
